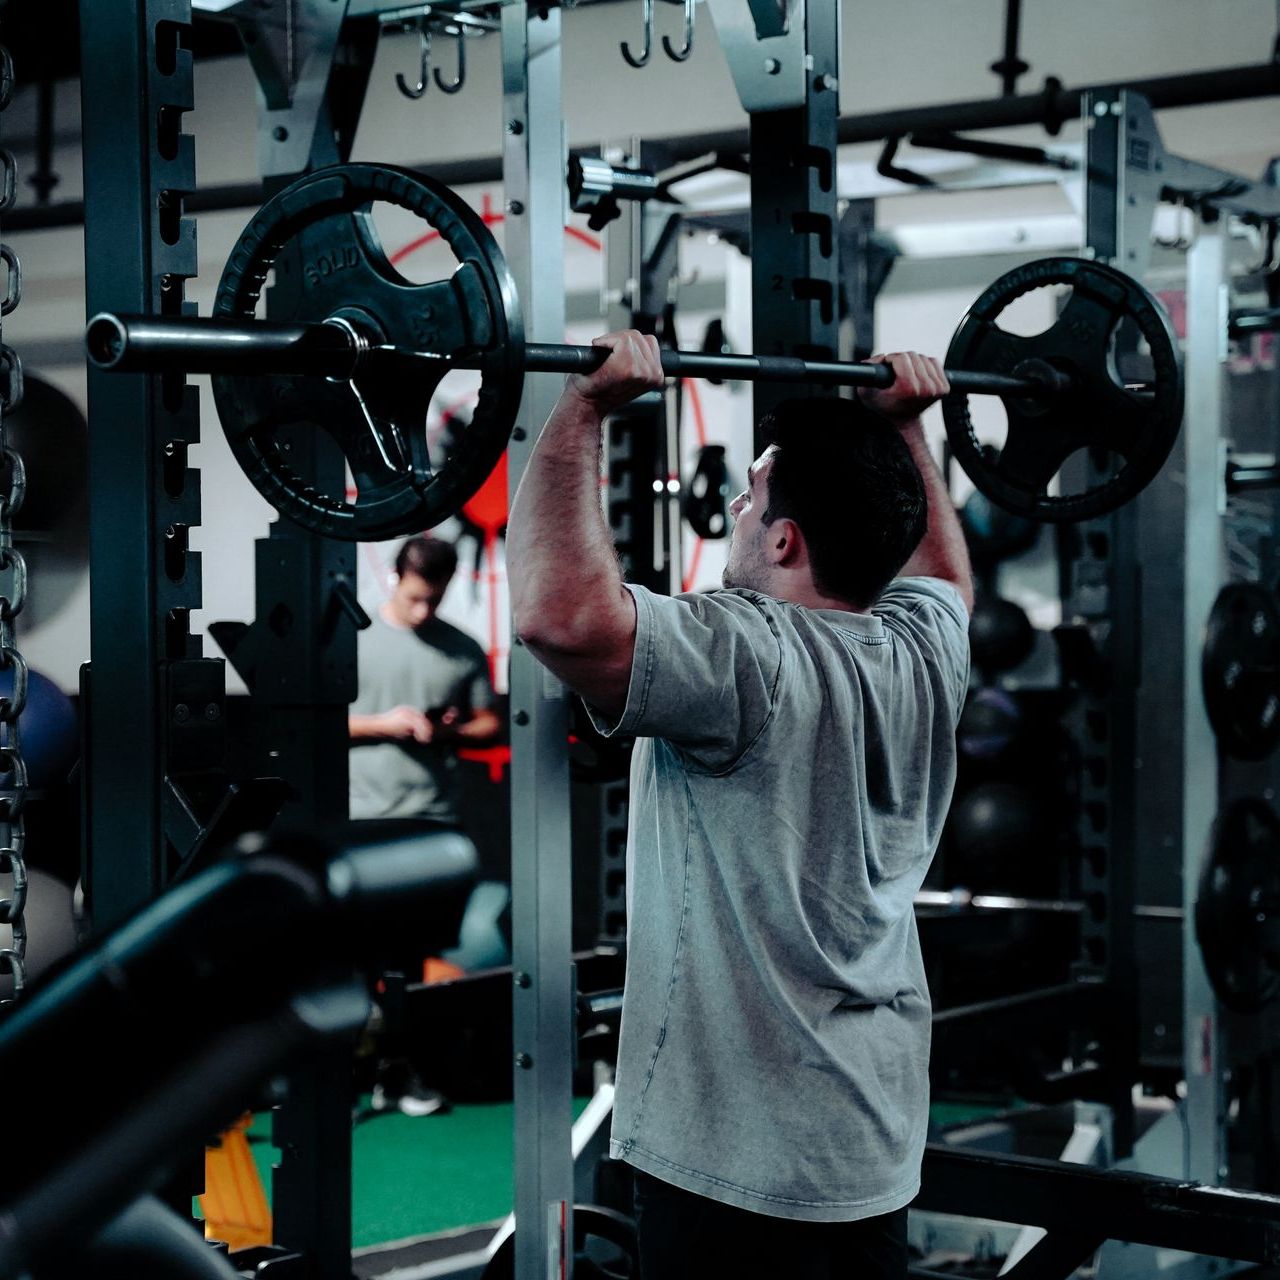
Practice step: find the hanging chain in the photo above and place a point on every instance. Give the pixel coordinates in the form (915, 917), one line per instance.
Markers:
(13, 593)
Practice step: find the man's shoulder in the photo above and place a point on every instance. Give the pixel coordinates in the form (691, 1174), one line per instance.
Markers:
(729, 610)
(723, 601)
(911, 594)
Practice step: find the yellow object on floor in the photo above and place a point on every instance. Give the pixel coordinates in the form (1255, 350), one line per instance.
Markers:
(234, 1204)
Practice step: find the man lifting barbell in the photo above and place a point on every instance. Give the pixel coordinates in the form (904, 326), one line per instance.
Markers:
(795, 762)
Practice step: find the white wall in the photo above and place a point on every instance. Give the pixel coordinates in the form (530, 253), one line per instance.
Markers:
(895, 54)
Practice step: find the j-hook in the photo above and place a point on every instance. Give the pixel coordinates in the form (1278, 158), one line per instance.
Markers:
(424, 64)
(648, 39)
(679, 55)
(461, 78)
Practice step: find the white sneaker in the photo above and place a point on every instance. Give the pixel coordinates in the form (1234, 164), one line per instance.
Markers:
(415, 1099)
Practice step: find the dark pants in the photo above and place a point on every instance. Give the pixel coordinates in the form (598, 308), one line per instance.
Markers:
(688, 1237)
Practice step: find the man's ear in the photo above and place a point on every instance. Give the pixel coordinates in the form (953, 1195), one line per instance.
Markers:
(786, 544)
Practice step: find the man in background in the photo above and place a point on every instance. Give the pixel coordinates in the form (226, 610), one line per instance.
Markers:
(424, 693)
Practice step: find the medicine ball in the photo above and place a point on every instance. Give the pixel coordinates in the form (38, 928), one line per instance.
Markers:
(990, 725)
(51, 529)
(996, 822)
(51, 434)
(1001, 636)
(994, 534)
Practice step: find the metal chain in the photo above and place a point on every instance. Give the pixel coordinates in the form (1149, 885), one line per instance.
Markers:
(13, 594)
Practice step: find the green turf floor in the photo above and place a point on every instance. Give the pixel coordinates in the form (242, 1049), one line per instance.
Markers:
(413, 1176)
(417, 1176)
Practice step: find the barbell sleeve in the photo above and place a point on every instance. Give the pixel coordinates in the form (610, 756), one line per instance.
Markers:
(209, 344)
(336, 349)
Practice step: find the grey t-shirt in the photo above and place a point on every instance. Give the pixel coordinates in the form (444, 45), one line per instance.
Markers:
(434, 667)
(788, 792)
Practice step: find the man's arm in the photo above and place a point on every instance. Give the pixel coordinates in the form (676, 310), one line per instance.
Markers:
(942, 552)
(397, 725)
(568, 604)
(478, 730)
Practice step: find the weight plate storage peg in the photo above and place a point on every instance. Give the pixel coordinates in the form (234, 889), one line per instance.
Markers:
(1096, 412)
(1238, 908)
(1240, 670)
(318, 238)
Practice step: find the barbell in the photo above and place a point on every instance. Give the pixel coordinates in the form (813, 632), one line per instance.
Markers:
(356, 350)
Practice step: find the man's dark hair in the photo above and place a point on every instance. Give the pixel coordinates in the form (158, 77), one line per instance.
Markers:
(847, 478)
(430, 558)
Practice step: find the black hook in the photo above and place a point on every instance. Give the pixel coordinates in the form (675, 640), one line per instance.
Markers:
(424, 62)
(648, 39)
(461, 78)
(679, 55)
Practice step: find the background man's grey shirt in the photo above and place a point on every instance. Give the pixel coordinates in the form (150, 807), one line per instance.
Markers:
(788, 792)
(434, 667)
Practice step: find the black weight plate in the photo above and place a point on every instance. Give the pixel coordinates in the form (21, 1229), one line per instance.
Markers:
(318, 238)
(1241, 874)
(706, 498)
(1096, 413)
(1239, 670)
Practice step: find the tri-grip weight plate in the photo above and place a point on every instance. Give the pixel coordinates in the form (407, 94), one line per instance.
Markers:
(1097, 413)
(317, 240)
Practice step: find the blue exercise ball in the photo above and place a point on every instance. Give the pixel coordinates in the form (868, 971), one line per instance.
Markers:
(49, 729)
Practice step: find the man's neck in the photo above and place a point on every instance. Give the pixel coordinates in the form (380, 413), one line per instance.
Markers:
(389, 616)
(804, 592)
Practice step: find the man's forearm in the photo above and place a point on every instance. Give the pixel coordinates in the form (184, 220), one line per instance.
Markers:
(360, 728)
(942, 552)
(563, 572)
(479, 731)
